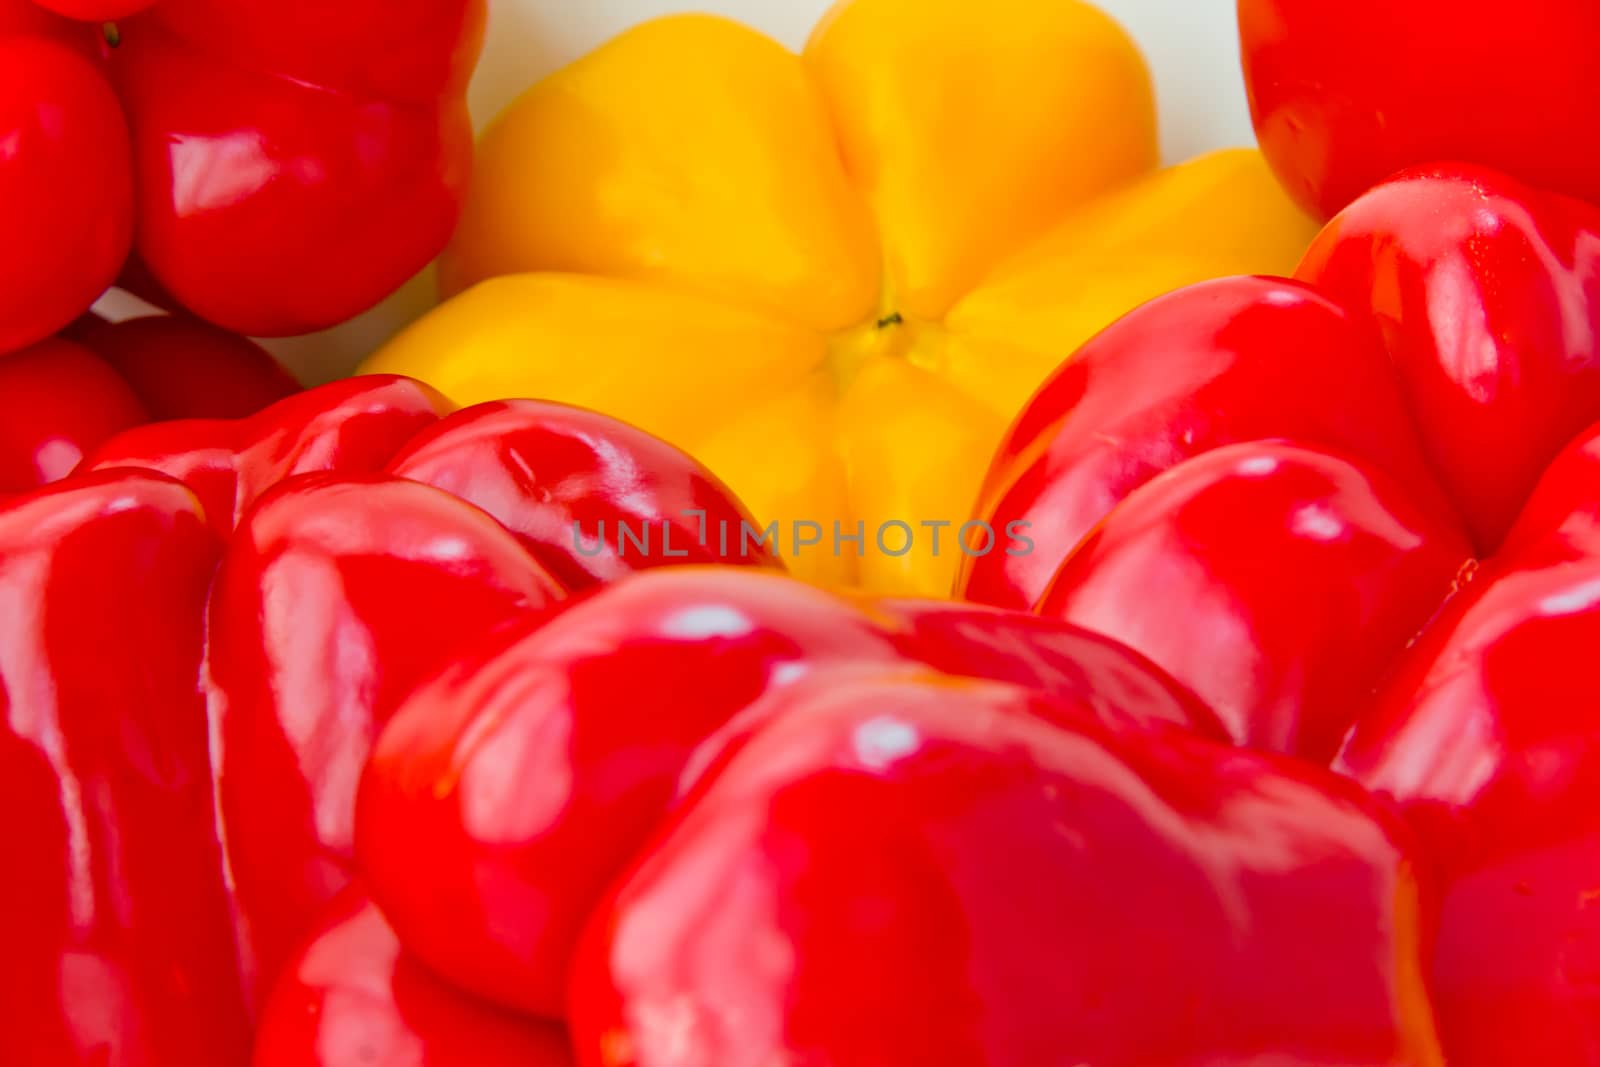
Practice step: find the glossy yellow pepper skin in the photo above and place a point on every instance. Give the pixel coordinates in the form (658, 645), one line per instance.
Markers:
(833, 277)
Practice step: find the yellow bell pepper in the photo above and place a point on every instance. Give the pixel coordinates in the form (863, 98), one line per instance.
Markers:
(833, 277)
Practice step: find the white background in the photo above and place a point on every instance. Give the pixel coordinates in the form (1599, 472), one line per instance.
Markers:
(1190, 44)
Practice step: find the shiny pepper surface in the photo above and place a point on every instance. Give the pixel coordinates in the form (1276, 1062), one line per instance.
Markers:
(832, 277)
(275, 168)
(725, 819)
(203, 631)
(1348, 516)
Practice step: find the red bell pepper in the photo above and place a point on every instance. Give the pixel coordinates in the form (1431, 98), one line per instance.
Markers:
(353, 998)
(65, 397)
(714, 816)
(493, 894)
(1272, 487)
(337, 593)
(114, 912)
(182, 801)
(183, 368)
(565, 482)
(727, 819)
(722, 819)
(276, 167)
(1487, 736)
(905, 870)
(1346, 94)
(66, 176)
(60, 402)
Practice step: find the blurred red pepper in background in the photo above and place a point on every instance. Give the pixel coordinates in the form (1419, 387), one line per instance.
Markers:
(183, 368)
(66, 175)
(63, 398)
(1346, 95)
(276, 168)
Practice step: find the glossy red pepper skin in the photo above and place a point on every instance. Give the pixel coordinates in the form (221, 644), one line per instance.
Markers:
(582, 491)
(1562, 519)
(66, 185)
(1089, 669)
(1487, 739)
(1345, 95)
(64, 398)
(416, 51)
(510, 791)
(321, 585)
(60, 402)
(904, 870)
(1327, 567)
(281, 167)
(551, 474)
(221, 172)
(358, 562)
(1483, 295)
(352, 996)
(1201, 368)
(336, 596)
(1487, 295)
(354, 426)
(113, 912)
